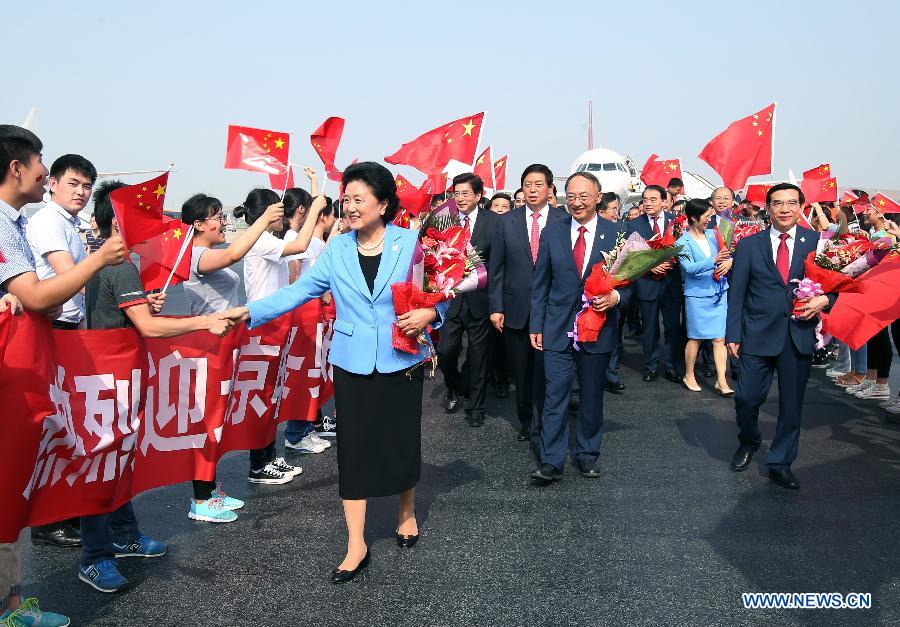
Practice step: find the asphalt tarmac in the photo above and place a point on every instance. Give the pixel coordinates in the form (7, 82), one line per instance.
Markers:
(667, 535)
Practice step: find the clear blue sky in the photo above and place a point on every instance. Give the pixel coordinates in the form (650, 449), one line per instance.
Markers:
(137, 85)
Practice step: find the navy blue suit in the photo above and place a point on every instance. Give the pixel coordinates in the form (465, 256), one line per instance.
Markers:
(510, 274)
(759, 319)
(655, 296)
(556, 298)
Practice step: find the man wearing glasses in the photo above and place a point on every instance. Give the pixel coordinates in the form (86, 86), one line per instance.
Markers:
(468, 312)
(764, 336)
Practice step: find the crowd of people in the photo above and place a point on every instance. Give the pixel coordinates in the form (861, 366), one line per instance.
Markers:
(516, 330)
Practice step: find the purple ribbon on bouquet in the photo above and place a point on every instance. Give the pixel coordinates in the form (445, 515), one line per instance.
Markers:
(585, 303)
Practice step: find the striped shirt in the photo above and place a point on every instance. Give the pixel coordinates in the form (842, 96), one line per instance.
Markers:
(15, 254)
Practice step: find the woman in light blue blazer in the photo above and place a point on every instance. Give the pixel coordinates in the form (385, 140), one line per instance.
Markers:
(377, 389)
(705, 299)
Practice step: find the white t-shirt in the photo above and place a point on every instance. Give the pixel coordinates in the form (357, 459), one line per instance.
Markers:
(265, 270)
(316, 247)
(289, 237)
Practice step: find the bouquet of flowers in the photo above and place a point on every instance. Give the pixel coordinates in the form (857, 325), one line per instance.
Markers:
(728, 234)
(850, 254)
(670, 236)
(629, 259)
(444, 264)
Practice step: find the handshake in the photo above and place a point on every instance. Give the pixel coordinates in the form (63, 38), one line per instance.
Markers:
(220, 323)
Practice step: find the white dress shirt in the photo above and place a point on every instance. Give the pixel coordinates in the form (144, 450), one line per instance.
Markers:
(591, 229)
(775, 236)
(543, 213)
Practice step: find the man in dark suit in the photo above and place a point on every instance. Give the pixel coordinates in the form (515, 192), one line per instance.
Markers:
(569, 249)
(764, 336)
(468, 312)
(659, 291)
(513, 255)
(608, 209)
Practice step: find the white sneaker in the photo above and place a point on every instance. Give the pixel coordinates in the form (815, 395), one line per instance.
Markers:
(879, 390)
(853, 389)
(831, 373)
(269, 475)
(282, 466)
(893, 409)
(306, 445)
(891, 401)
(320, 441)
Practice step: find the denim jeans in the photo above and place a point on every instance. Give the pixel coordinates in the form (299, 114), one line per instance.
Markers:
(296, 430)
(859, 360)
(841, 363)
(100, 531)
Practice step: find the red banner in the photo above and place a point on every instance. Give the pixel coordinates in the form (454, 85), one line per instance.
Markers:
(92, 418)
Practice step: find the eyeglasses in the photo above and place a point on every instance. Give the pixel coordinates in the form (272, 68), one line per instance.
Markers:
(219, 217)
(778, 204)
(582, 197)
(465, 194)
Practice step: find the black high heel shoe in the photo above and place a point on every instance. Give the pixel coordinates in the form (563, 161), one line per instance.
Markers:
(406, 542)
(343, 576)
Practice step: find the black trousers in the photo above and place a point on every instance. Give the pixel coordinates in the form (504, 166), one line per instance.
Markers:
(527, 368)
(473, 384)
(880, 354)
(497, 368)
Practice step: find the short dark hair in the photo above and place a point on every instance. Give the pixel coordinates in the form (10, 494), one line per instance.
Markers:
(516, 193)
(76, 163)
(258, 200)
(609, 197)
(16, 144)
(585, 175)
(502, 196)
(655, 188)
(472, 179)
(294, 198)
(199, 207)
(328, 209)
(103, 209)
(675, 182)
(538, 168)
(380, 180)
(695, 208)
(780, 188)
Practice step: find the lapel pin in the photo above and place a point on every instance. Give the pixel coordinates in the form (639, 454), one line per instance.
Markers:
(802, 239)
(395, 248)
(602, 235)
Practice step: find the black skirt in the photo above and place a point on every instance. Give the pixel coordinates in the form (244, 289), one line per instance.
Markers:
(379, 434)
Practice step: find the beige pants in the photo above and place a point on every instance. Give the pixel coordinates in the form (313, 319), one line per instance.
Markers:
(10, 571)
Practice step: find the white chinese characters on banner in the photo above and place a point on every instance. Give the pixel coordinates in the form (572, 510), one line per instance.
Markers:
(189, 407)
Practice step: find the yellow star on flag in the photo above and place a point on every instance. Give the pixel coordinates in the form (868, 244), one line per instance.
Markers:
(144, 189)
(468, 128)
(279, 143)
(759, 133)
(177, 233)
(159, 191)
(499, 164)
(138, 195)
(480, 160)
(881, 202)
(756, 124)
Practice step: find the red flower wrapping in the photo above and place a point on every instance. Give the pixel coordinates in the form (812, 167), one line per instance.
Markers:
(830, 280)
(408, 296)
(590, 322)
(721, 242)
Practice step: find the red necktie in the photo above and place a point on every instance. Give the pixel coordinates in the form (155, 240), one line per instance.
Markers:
(535, 235)
(783, 258)
(656, 231)
(466, 226)
(578, 250)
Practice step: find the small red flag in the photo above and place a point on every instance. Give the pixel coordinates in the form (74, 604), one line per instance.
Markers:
(657, 172)
(859, 202)
(414, 200)
(742, 150)
(257, 150)
(484, 168)
(160, 254)
(500, 172)
(430, 152)
(325, 141)
(139, 209)
(819, 172)
(282, 181)
(819, 190)
(883, 204)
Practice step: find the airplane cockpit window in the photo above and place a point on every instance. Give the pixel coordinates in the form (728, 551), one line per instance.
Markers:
(581, 168)
(609, 167)
(621, 168)
(594, 167)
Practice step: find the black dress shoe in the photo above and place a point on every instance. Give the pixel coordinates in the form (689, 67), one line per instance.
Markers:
(476, 419)
(650, 375)
(547, 473)
(615, 388)
(741, 459)
(589, 470)
(707, 372)
(523, 435)
(785, 478)
(633, 336)
(343, 576)
(672, 376)
(451, 402)
(63, 536)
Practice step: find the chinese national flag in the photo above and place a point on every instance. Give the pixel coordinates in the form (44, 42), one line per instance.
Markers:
(859, 202)
(742, 150)
(414, 200)
(883, 204)
(139, 209)
(819, 190)
(282, 181)
(820, 172)
(756, 193)
(484, 168)
(160, 254)
(500, 172)
(257, 150)
(325, 141)
(657, 172)
(429, 153)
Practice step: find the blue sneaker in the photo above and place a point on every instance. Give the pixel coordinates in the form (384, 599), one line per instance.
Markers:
(103, 576)
(30, 615)
(228, 502)
(142, 547)
(211, 510)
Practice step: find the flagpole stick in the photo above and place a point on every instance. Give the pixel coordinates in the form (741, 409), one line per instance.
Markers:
(184, 246)
(287, 174)
(774, 118)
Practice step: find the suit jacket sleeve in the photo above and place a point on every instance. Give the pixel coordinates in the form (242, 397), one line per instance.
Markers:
(311, 284)
(738, 280)
(497, 270)
(540, 287)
